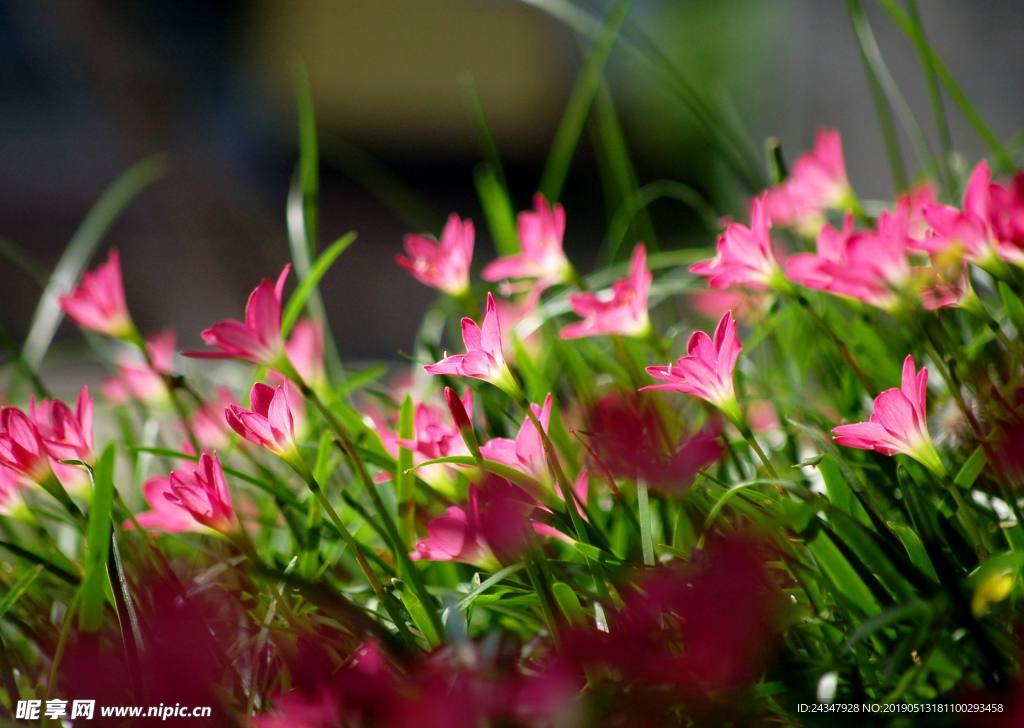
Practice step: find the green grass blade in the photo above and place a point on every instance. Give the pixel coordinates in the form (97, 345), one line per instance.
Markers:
(570, 129)
(404, 478)
(404, 201)
(19, 587)
(644, 507)
(83, 244)
(95, 582)
(878, 95)
(616, 167)
(497, 209)
(956, 93)
(488, 146)
(302, 212)
(931, 78)
(298, 299)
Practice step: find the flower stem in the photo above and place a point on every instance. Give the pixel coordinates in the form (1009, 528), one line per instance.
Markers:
(844, 350)
(347, 447)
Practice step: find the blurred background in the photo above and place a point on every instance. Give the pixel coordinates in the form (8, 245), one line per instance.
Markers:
(91, 87)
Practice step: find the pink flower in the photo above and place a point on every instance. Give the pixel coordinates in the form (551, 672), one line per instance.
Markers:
(11, 502)
(203, 493)
(164, 515)
(624, 312)
(137, 380)
(434, 436)
(443, 264)
(484, 358)
(898, 422)
(98, 303)
(258, 338)
(208, 424)
(456, 536)
(21, 448)
(66, 434)
(975, 228)
(817, 183)
(868, 265)
(526, 452)
(707, 369)
(744, 255)
(305, 349)
(269, 423)
(540, 234)
(628, 439)
(32, 444)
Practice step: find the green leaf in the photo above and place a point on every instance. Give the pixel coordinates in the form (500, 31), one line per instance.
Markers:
(19, 587)
(419, 615)
(87, 237)
(1012, 304)
(487, 583)
(97, 544)
(972, 468)
(570, 129)
(845, 578)
(568, 603)
(839, 492)
(915, 548)
(956, 93)
(404, 479)
(498, 211)
(644, 508)
(298, 299)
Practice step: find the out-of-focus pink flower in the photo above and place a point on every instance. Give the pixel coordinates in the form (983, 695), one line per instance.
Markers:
(898, 422)
(626, 435)
(706, 371)
(456, 536)
(33, 444)
(975, 229)
(484, 358)
(258, 338)
(202, 492)
(911, 206)
(526, 452)
(435, 435)
(163, 514)
(269, 422)
(714, 302)
(305, 349)
(11, 502)
(542, 258)
(744, 257)
(1006, 212)
(21, 447)
(98, 303)
(66, 435)
(208, 423)
(496, 523)
(623, 312)
(302, 711)
(675, 644)
(519, 321)
(868, 265)
(817, 183)
(443, 264)
(137, 379)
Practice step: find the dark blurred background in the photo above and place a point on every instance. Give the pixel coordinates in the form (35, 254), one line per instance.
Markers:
(91, 86)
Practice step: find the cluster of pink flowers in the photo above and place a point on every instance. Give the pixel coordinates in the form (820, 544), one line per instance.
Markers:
(33, 443)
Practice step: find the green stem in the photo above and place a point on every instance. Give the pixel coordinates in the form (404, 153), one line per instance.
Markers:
(401, 554)
(644, 509)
